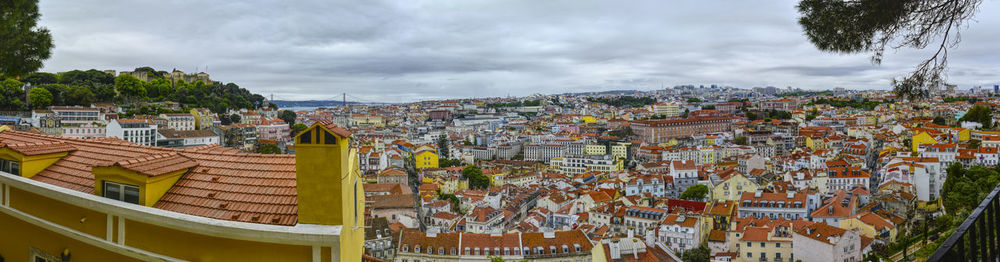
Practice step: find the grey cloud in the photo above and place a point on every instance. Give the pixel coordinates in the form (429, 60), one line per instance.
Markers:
(398, 51)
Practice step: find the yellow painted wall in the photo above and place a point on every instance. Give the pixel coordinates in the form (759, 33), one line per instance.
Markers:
(426, 159)
(31, 165)
(595, 150)
(964, 135)
(922, 138)
(198, 247)
(737, 184)
(84, 220)
(19, 237)
(151, 189)
(329, 189)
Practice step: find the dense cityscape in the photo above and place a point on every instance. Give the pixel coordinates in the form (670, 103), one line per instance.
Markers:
(493, 131)
(682, 173)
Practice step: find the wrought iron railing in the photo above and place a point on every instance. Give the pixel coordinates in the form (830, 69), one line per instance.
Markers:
(977, 239)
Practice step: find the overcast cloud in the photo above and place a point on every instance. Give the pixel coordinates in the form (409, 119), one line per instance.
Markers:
(399, 51)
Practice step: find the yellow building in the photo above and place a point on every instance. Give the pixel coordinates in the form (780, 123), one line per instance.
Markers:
(815, 143)
(619, 150)
(107, 200)
(871, 225)
(922, 138)
(733, 187)
(595, 150)
(964, 134)
(368, 120)
(496, 176)
(588, 119)
(426, 159)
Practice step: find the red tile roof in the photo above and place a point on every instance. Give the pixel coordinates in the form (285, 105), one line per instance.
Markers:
(39, 148)
(329, 125)
(225, 185)
(155, 165)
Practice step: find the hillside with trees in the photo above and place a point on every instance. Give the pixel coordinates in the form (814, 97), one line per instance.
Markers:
(85, 87)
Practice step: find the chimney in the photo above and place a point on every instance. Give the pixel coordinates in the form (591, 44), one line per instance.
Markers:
(327, 183)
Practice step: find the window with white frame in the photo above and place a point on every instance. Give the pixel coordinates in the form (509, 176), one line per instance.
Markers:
(121, 192)
(9, 166)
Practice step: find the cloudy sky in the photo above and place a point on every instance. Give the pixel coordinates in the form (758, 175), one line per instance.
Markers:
(397, 51)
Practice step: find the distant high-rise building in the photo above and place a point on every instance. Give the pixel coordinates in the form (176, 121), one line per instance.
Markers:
(996, 89)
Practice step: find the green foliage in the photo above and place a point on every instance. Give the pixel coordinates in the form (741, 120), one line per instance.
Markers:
(981, 114)
(41, 78)
(975, 143)
(79, 95)
(950, 99)
(235, 119)
(839, 103)
(965, 188)
(456, 203)
(812, 115)
(939, 121)
(695, 192)
(700, 254)
(708, 107)
(58, 92)
(268, 149)
(752, 116)
(476, 178)
(449, 162)
(288, 116)
(777, 114)
(623, 132)
(11, 93)
(130, 88)
(23, 44)
(298, 128)
(740, 140)
(442, 143)
(623, 101)
(84, 87)
(39, 98)
(694, 100)
(872, 25)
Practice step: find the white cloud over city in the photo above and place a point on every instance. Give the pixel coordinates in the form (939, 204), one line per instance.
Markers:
(399, 51)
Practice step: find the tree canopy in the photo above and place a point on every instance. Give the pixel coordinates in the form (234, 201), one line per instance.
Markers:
(476, 178)
(23, 44)
(695, 192)
(79, 87)
(965, 188)
(288, 116)
(39, 97)
(869, 26)
(980, 114)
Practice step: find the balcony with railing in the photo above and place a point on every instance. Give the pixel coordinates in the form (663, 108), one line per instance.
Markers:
(978, 238)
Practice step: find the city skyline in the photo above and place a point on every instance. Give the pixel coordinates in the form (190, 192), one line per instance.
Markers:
(405, 52)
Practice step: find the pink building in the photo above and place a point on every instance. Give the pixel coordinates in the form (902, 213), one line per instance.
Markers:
(270, 128)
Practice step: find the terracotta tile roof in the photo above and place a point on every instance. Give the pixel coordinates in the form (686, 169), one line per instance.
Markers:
(155, 165)
(225, 185)
(685, 221)
(568, 238)
(392, 201)
(38, 148)
(334, 128)
(717, 235)
(756, 234)
(822, 232)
